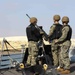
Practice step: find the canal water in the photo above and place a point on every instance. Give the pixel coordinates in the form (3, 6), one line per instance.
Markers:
(8, 61)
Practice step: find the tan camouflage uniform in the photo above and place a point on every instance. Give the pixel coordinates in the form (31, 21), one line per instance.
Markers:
(54, 47)
(33, 52)
(33, 35)
(64, 57)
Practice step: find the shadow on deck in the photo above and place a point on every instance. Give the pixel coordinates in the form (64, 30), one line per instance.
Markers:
(13, 71)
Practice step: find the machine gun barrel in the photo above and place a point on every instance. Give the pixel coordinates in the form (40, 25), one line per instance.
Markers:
(44, 33)
(28, 16)
(41, 30)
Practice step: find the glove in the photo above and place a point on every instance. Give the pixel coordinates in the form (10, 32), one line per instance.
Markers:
(41, 33)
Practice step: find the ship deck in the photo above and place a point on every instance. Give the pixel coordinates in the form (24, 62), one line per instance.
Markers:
(12, 71)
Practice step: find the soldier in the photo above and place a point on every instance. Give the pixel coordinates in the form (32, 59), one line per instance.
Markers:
(65, 44)
(33, 36)
(55, 33)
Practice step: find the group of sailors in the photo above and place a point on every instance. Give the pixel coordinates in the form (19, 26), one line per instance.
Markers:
(60, 38)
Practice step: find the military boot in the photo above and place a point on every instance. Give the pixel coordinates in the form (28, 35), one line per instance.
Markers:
(60, 69)
(65, 72)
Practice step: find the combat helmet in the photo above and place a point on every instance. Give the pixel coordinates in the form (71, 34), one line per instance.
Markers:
(33, 19)
(56, 17)
(65, 19)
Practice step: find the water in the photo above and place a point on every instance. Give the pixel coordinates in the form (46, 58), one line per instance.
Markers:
(7, 61)
(72, 54)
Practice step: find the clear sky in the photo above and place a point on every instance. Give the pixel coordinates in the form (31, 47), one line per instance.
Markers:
(13, 19)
